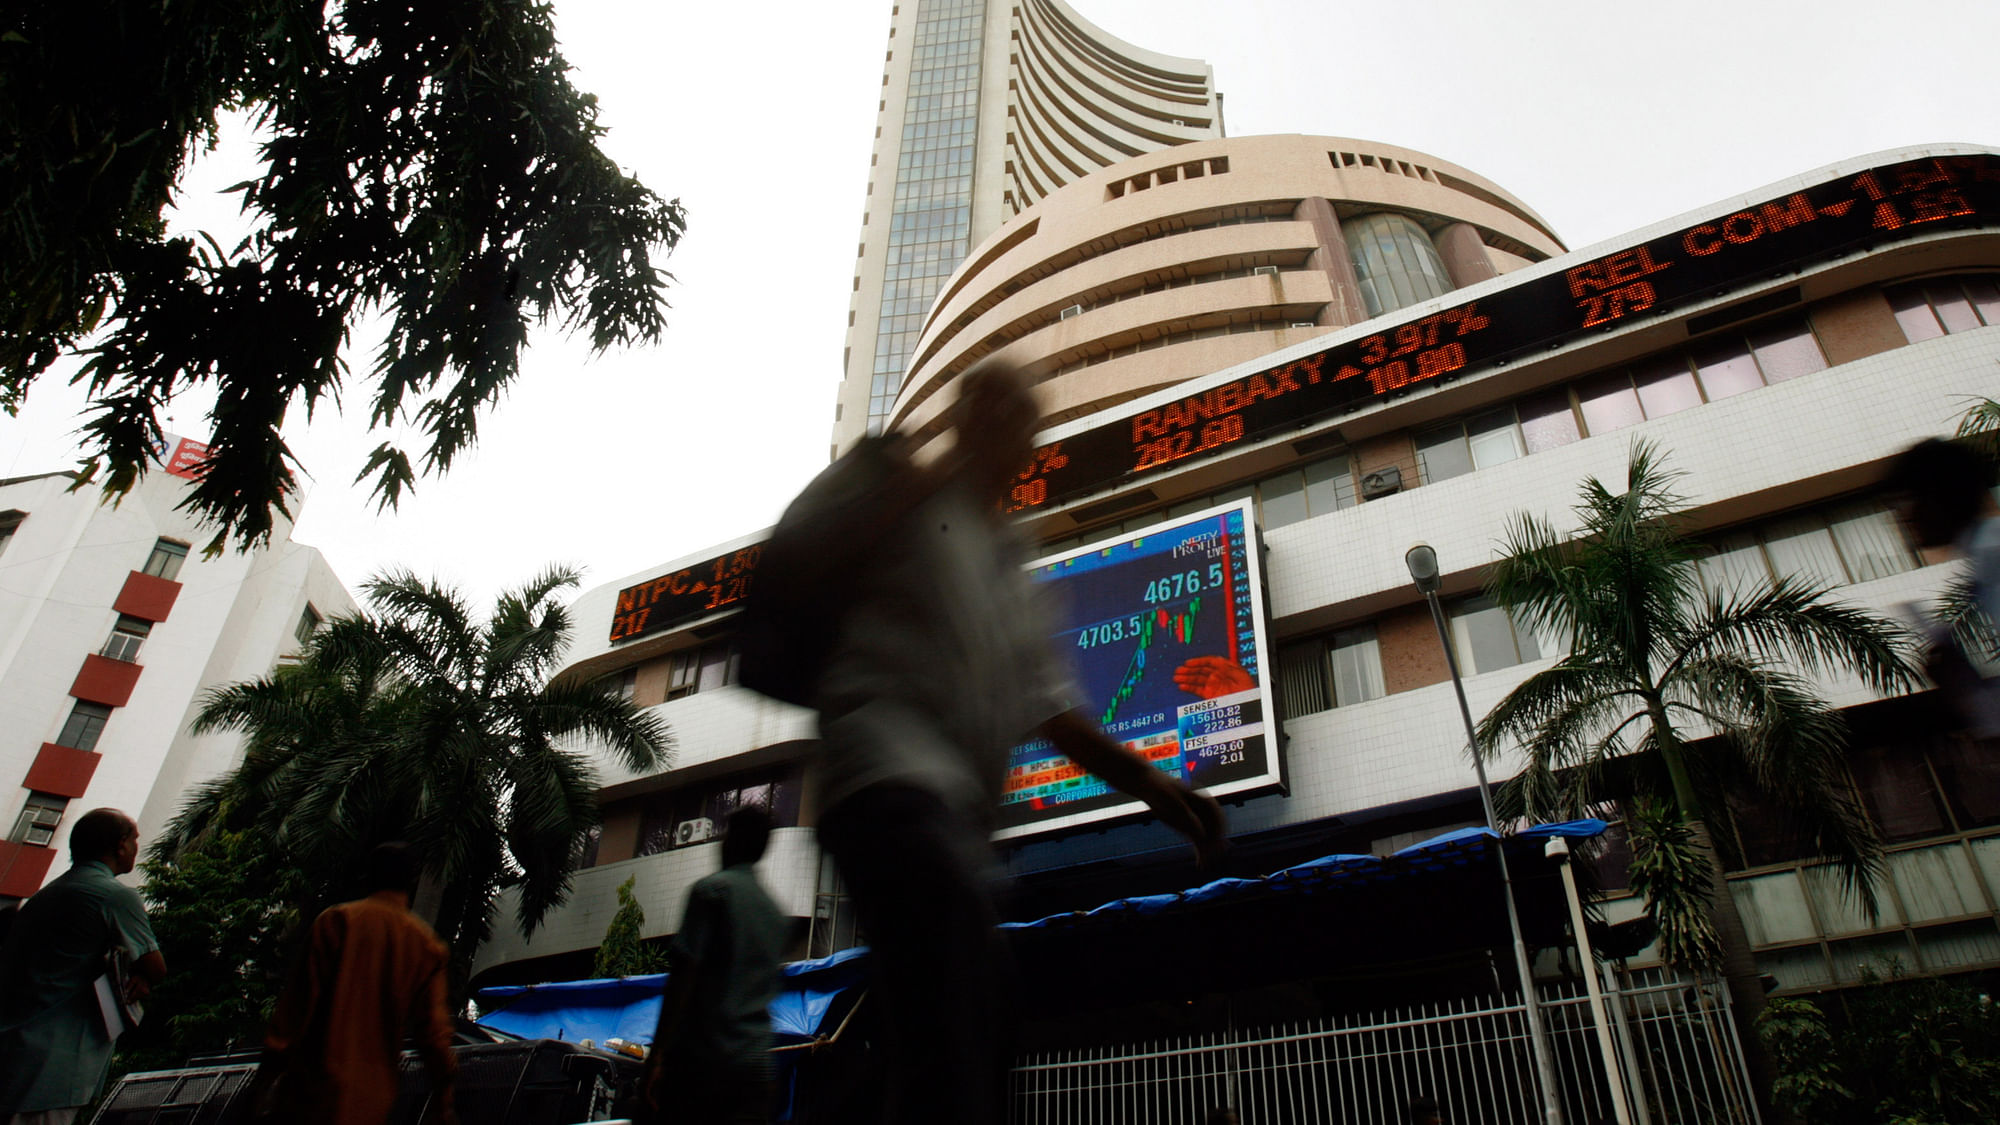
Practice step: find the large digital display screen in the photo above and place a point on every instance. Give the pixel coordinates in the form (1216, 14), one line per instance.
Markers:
(1163, 629)
(1874, 208)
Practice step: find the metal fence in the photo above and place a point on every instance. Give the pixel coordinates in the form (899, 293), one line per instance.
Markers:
(1676, 1040)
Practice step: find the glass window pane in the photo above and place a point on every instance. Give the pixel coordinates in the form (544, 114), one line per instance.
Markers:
(1971, 775)
(1787, 350)
(1357, 667)
(1985, 297)
(1494, 439)
(1547, 420)
(1666, 386)
(1443, 454)
(1913, 312)
(1608, 402)
(1726, 368)
(1800, 547)
(1329, 485)
(1949, 302)
(1284, 499)
(1897, 788)
(1485, 636)
(1734, 565)
(1870, 541)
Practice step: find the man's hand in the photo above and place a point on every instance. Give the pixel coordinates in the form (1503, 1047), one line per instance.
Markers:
(1211, 676)
(1194, 815)
(137, 988)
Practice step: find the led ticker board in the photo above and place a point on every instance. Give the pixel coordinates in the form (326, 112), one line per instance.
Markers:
(1876, 207)
(1164, 631)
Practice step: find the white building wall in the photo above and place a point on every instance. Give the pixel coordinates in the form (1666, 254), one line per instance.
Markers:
(59, 577)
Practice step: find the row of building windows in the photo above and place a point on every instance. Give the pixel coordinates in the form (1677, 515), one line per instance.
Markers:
(1829, 545)
(697, 813)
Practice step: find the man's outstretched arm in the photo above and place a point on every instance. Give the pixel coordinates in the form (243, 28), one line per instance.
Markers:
(1194, 815)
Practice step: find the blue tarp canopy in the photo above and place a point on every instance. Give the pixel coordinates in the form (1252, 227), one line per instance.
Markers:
(1339, 908)
(628, 1008)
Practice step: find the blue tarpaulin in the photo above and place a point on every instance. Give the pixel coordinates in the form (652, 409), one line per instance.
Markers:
(629, 1008)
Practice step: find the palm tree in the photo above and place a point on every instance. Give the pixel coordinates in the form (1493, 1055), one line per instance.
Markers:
(414, 722)
(1684, 693)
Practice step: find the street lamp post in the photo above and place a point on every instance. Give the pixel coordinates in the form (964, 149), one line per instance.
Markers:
(1423, 563)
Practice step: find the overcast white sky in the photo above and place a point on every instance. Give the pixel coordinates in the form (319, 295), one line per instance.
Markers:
(1602, 116)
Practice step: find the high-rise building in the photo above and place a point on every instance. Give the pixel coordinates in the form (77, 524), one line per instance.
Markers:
(986, 108)
(113, 625)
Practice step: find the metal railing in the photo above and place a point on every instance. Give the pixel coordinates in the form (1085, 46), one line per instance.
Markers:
(1472, 1057)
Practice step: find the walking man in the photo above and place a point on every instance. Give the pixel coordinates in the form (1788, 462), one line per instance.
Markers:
(941, 663)
(711, 1059)
(54, 1048)
(372, 973)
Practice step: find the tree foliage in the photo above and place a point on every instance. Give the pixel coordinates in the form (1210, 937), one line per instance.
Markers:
(1910, 1051)
(225, 911)
(428, 161)
(1682, 694)
(623, 952)
(416, 723)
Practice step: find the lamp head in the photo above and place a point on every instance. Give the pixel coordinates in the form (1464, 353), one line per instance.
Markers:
(1422, 560)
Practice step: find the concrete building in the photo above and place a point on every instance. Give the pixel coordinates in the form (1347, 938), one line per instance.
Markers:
(112, 627)
(986, 108)
(1425, 361)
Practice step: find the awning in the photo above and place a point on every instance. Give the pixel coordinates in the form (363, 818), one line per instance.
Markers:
(1309, 919)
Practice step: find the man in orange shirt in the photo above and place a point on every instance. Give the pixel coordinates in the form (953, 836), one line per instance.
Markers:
(372, 973)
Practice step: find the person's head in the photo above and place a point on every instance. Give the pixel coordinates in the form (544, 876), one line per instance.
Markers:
(106, 836)
(1426, 1111)
(392, 867)
(995, 418)
(1938, 488)
(745, 834)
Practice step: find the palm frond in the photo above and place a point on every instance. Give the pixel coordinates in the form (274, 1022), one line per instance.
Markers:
(1791, 621)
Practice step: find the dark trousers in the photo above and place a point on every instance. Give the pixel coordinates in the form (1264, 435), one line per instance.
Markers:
(942, 977)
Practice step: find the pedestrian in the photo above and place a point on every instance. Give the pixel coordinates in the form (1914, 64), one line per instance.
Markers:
(940, 663)
(55, 1048)
(1942, 493)
(372, 974)
(711, 1057)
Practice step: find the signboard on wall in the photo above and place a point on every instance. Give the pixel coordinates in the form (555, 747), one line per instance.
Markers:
(1164, 630)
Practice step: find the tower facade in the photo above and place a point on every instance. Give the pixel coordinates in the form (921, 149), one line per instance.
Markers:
(987, 107)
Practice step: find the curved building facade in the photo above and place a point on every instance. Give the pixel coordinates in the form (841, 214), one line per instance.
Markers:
(1781, 346)
(986, 108)
(1135, 277)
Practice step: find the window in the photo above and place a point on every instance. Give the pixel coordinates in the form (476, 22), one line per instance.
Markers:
(1833, 545)
(166, 559)
(1608, 402)
(620, 685)
(308, 625)
(697, 814)
(39, 819)
(1547, 420)
(1338, 670)
(10, 521)
(1313, 490)
(1488, 638)
(711, 666)
(1481, 442)
(125, 639)
(85, 724)
(1940, 306)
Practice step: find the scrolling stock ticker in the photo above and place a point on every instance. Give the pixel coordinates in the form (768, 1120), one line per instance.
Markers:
(1875, 207)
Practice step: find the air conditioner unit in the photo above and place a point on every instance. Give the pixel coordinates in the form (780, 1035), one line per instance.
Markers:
(1270, 271)
(698, 830)
(1073, 310)
(1381, 482)
(1304, 324)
